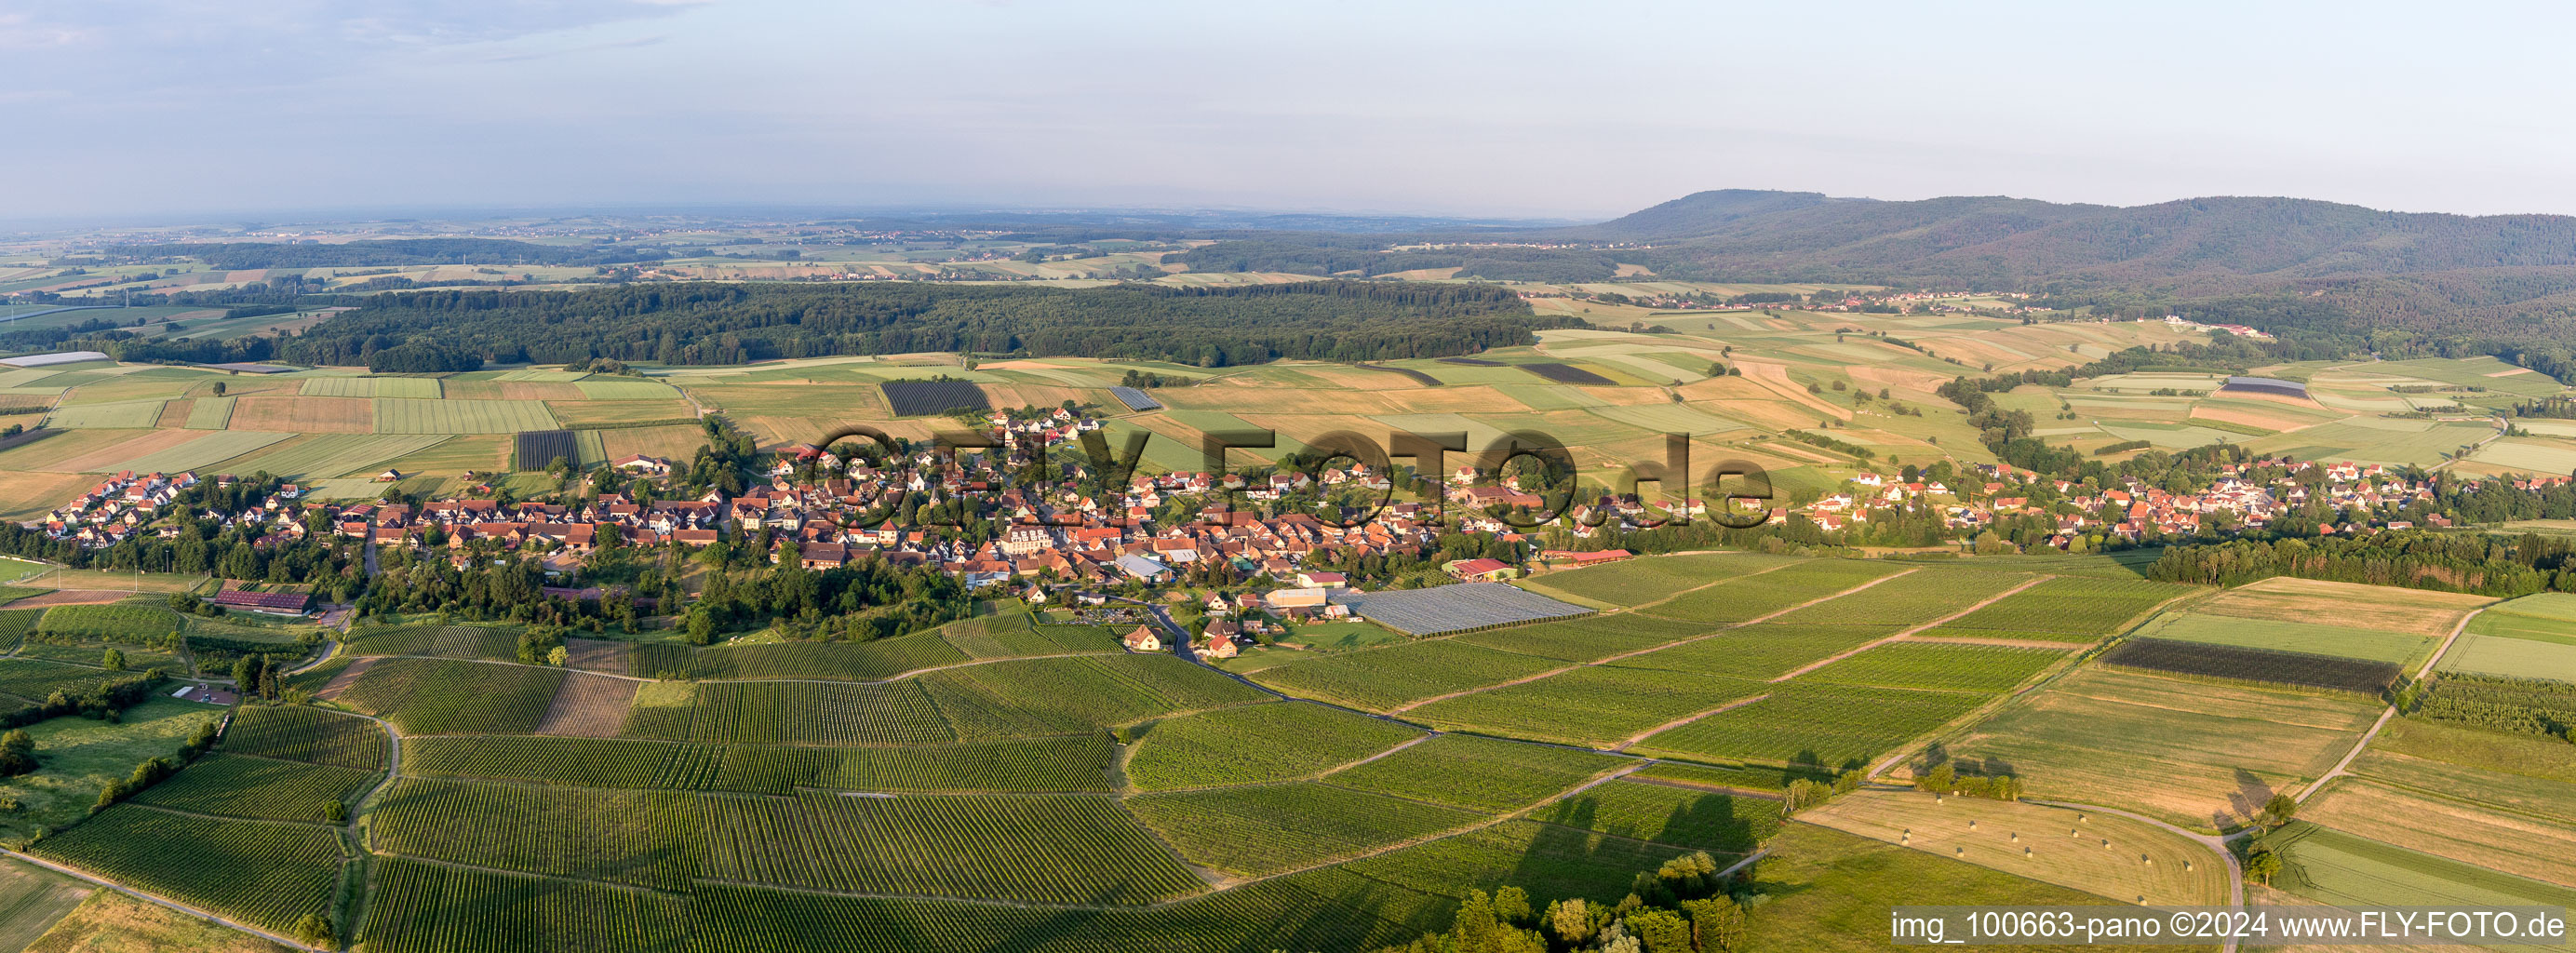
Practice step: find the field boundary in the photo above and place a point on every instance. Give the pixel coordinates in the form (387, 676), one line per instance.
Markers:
(1607, 659)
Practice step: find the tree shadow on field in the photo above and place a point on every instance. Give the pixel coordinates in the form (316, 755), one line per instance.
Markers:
(2246, 801)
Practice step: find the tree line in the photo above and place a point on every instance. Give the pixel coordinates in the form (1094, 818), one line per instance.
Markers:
(707, 323)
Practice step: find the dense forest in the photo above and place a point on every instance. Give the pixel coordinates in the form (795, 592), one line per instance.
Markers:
(393, 251)
(737, 323)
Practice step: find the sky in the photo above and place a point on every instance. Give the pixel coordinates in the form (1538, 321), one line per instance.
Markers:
(125, 108)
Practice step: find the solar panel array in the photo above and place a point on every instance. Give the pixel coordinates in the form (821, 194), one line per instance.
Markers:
(1134, 399)
(1466, 605)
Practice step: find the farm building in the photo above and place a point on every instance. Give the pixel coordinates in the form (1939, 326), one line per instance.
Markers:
(2267, 385)
(272, 603)
(1487, 570)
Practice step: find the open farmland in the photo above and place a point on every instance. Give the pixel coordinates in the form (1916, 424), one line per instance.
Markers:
(1378, 679)
(1208, 749)
(1813, 723)
(2101, 854)
(413, 416)
(329, 455)
(1264, 829)
(411, 387)
(262, 872)
(2253, 666)
(2191, 752)
(2073, 609)
(1048, 849)
(2335, 867)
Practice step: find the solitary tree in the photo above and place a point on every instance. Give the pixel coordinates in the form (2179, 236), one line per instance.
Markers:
(17, 753)
(2261, 865)
(113, 660)
(2280, 809)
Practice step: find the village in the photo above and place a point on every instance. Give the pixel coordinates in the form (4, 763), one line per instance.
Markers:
(1027, 518)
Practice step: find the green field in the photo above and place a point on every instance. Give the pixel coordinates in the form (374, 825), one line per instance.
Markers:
(2309, 637)
(2339, 868)
(1221, 747)
(1819, 724)
(328, 455)
(417, 388)
(401, 415)
(1831, 891)
(431, 697)
(302, 733)
(1481, 774)
(202, 452)
(2062, 609)
(1699, 820)
(1004, 847)
(1966, 668)
(2512, 657)
(115, 623)
(1595, 706)
(1383, 678)
(261, 872)
(1270, 828)
(251, 788)
(32, 899)
(133, 414)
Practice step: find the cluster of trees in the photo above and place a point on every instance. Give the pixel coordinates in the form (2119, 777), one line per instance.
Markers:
(1682, 907)
(867, 599)
(2496, 703)
(17, 753)
(155, 770)
(2486, 564)
(422, 356)
(698, 323)
(104, 700)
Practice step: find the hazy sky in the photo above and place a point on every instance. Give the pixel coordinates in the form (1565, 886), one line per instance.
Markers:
(126, 107)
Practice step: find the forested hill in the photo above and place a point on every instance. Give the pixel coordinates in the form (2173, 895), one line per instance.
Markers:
(2212, 244)
(395, 251)
(736, 323)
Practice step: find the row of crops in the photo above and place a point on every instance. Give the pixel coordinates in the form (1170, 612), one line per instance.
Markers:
(1001, 847)
(645, 838)
(301, 733)
(2236, 663)
(421, 908)
(1078, 763)
(263, 873)
(438, 696)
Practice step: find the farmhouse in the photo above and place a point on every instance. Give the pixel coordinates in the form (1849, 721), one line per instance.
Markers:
(1142, 639)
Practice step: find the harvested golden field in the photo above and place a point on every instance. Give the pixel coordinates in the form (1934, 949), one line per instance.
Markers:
(103, 457)
(111, 922)
(2388, 608)
(677, 444)
(2049, 844)
(573, 412)
(2196, 754)
(28, 494)
(307, 415)
(2444, 827)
